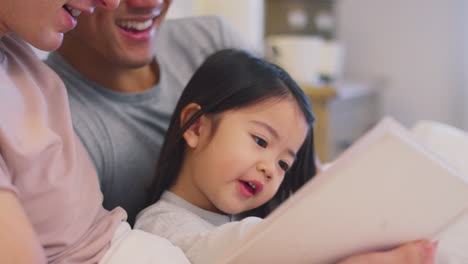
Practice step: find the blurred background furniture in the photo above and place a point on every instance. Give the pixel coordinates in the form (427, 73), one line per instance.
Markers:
(344, 111)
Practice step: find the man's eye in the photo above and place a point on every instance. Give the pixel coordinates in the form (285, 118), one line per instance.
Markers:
(260, 141)
(283, 165)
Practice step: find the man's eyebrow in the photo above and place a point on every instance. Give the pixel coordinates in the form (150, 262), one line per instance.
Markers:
(274, 133)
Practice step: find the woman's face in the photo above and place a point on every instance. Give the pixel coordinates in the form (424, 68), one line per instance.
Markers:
(42, 23)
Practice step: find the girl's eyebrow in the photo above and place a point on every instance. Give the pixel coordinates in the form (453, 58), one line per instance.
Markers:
(274, 133)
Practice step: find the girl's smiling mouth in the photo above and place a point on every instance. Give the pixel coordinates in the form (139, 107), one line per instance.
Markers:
(250, 188)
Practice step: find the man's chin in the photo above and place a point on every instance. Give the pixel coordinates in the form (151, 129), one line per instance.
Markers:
(136, 63)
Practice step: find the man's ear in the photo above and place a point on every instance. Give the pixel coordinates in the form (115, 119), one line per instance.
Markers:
(192, 134)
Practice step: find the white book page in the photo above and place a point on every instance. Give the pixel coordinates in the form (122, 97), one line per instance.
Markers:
(450, 144)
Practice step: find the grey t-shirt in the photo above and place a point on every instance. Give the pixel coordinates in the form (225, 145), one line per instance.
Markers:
(123, 133)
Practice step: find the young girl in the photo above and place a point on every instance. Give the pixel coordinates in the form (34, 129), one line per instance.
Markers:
(240, 142)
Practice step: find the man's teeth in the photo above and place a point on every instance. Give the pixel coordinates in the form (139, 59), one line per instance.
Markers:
(136, 25)
(74, 12)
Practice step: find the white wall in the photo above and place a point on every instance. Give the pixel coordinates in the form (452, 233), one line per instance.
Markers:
(246, 16)
(464, 22)
(417, 46)
(182, 8)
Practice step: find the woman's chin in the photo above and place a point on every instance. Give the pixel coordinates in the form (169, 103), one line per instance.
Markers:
(49, 42)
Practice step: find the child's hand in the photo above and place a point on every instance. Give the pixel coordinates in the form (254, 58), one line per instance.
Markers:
(422, 252)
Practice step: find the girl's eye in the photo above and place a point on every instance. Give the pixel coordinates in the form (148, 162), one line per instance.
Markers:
(283, 165)
(260, 141)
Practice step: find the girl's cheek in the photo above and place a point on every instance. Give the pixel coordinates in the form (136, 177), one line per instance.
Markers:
(278, 184)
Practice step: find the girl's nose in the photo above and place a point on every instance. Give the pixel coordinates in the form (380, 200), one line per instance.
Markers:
(109, 4)
(266, 168)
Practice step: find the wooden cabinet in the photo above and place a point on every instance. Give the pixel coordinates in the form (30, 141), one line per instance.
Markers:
(344, 112)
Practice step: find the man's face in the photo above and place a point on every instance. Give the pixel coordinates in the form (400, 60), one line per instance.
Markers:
(124, 37)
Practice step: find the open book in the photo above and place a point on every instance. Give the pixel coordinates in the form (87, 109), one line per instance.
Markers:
(385, 190)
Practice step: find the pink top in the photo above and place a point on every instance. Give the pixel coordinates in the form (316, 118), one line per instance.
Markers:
(45, 165)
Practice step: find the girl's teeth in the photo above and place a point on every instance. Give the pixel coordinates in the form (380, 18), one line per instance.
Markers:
(251, 185)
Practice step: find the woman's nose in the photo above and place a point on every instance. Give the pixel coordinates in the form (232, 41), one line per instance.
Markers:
(108, 4)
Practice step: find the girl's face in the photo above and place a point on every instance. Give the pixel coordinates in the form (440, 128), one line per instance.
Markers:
(42, 23)
(240, 163)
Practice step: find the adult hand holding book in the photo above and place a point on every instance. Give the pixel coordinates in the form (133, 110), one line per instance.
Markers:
(420, 252)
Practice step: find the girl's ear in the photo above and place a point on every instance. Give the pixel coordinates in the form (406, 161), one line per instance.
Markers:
(192, 134)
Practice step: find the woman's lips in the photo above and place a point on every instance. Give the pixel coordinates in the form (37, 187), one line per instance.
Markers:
(69, 21)
(72, 11)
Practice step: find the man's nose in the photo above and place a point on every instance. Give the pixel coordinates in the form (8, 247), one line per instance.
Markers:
(109, 4)
(145, 3)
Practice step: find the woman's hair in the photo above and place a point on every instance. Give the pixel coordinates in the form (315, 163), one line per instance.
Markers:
(232, 79)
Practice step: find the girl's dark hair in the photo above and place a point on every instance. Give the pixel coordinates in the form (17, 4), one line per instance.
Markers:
(232, 79)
